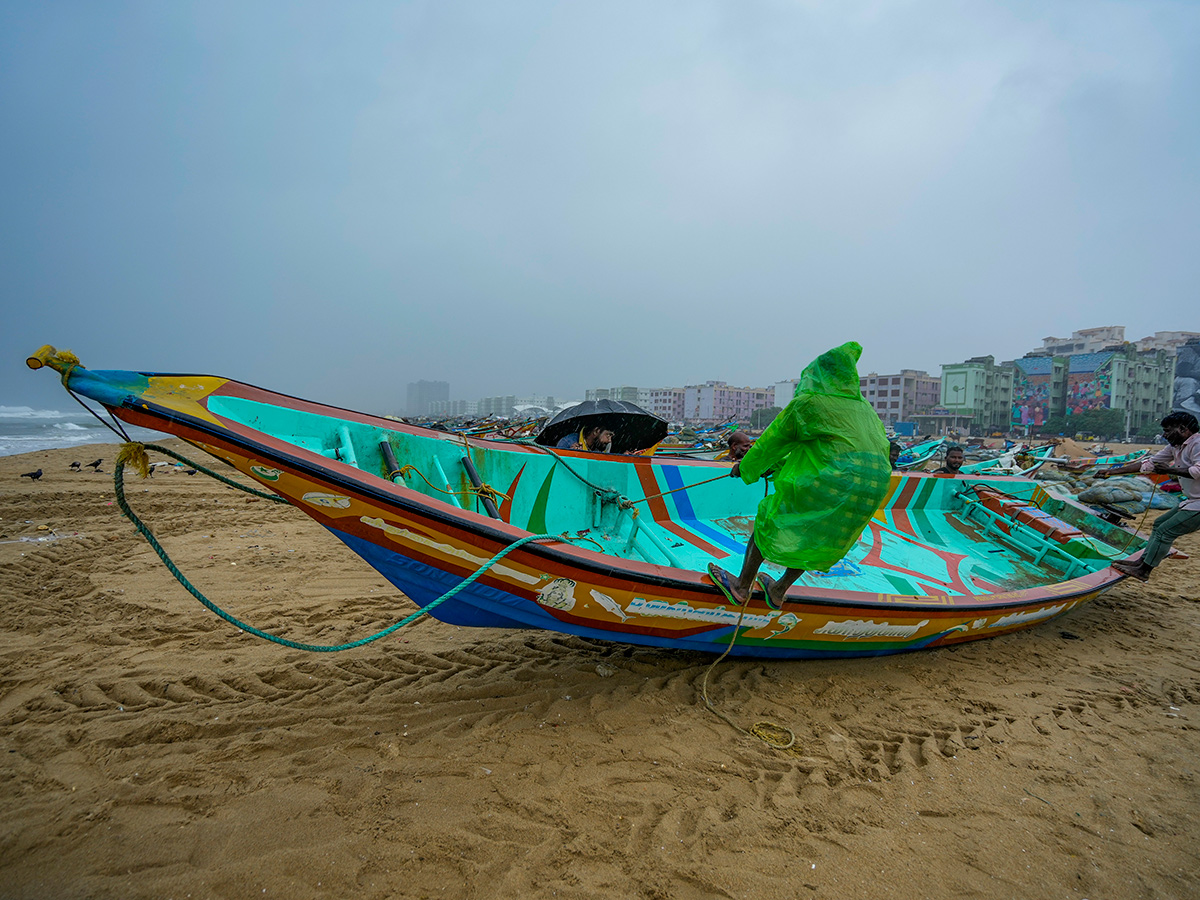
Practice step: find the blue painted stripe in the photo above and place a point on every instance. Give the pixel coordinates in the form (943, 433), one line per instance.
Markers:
(687, 515)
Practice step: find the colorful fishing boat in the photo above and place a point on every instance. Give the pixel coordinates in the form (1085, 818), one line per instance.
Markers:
(919, 454)
(944, 560)
(1085, 465)
(1013, 461)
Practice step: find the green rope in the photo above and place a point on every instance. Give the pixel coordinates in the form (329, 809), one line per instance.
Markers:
(118, 481)
(274, 498)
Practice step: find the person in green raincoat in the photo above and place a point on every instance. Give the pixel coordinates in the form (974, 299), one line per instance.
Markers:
(829, 453)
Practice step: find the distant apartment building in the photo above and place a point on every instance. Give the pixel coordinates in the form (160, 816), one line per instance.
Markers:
(422, 393)
(979, 392)
(900, 397)
(452, 408)
(666, 403)
(625, 394)
(1171, 341)
(496, 406)
(535, 405)
(1086, 340)
(716, 401)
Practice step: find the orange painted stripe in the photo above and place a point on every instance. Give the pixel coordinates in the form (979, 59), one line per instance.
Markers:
(658, 511)
(507, 505)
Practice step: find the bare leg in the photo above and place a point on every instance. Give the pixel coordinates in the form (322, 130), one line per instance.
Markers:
(780, 588)
(750, 563)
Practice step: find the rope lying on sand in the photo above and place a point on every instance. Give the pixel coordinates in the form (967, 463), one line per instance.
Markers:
(135, 454)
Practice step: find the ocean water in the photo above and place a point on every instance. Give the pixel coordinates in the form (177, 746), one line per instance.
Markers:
(23, 430)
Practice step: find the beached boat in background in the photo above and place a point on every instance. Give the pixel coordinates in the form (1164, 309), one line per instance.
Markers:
(919, 454)
(1014, 461)
(944, 560)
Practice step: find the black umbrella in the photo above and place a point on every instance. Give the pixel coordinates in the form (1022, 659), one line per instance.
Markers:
(633, 428)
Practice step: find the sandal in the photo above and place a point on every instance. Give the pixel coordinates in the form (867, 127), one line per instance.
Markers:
(766, 582)
(1131, 570)
(724, 582)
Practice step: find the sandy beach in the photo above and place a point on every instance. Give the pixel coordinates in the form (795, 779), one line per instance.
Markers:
(152, 750)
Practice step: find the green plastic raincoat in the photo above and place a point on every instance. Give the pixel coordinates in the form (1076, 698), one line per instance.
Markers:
(830, 456)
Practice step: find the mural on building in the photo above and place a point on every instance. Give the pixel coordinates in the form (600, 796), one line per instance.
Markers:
(1031, 391)
(1089, 390)
(1186, 394)
(1088, 387)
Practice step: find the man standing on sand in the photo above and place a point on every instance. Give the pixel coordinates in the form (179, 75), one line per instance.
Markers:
(1181, 458)
(830, 456)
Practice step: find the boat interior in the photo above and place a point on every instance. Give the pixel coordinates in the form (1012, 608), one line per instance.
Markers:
(934, 536)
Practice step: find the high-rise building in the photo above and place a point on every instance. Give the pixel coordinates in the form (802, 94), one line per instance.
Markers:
(422, 393)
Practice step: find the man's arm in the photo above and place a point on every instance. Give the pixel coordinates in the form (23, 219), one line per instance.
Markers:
(1144, 465)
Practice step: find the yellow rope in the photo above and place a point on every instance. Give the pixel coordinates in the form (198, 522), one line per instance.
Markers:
(133, 454)
(761, 730)
(483, 491)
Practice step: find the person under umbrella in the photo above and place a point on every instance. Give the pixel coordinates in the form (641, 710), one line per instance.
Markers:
(592, 439)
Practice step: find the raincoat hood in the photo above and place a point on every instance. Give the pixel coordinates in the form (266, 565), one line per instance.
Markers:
(834, 373)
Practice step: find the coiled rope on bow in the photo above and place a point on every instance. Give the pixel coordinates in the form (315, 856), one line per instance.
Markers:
(134, 454)
(483, 492)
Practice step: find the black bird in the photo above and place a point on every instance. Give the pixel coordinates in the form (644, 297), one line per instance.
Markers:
(75, 466)
(96, 465)
(189, 471)
(32, 475)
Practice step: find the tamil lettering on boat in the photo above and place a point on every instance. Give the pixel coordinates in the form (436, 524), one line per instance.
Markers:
(683, 610)
(864, 629)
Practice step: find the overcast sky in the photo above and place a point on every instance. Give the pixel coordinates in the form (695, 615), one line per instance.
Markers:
(333, 200)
